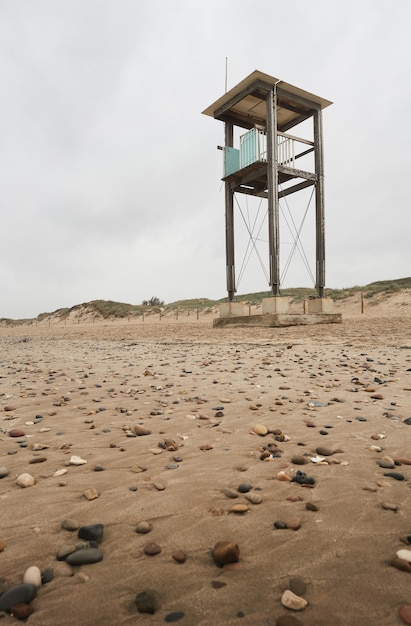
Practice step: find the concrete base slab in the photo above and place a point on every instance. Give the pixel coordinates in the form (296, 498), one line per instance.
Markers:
(278, 320)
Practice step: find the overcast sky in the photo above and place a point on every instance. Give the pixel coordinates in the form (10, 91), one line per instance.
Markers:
(110, 177)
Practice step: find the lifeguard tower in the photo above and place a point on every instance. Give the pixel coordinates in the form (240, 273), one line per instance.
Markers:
(272, 163)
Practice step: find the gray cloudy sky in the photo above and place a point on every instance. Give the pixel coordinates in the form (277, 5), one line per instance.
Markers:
(110, 178)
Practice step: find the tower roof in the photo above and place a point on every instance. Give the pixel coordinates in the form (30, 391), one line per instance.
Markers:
(245, 103)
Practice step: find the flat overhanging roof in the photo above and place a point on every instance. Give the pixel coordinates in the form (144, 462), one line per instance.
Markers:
(245, 103)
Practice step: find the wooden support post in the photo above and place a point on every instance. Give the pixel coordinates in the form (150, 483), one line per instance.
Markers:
(362, 302)
(273, 201)
(319, 203)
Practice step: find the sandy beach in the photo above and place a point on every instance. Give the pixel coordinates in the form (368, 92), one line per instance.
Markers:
(291, 443)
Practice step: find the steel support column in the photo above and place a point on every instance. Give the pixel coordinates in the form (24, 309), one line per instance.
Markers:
(272, 186)
(229, 223)
(319, 203)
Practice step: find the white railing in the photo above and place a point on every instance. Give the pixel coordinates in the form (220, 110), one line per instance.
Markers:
(253, 148)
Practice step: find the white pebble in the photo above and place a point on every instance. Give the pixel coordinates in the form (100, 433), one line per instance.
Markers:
(25, 480)
(292, 601)
(405, 555)
(32, 576)
(76, 460)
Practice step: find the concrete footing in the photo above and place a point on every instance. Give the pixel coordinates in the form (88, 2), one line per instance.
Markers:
(231, 309)
(279, 319)
(320, 305)
(274, 314)
(278, 304)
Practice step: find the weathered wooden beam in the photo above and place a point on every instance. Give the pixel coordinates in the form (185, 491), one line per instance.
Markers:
(295, 103)
(259, 89)
(259, 192)
(294, 188)
(293, 172)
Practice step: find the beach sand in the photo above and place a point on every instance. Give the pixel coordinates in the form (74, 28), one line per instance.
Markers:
(80, 389)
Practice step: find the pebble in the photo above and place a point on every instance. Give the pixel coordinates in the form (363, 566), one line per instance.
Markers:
(260, 429)
(70, 524)
(291, 601)
(179, 556)
(92, 532)
(389, 506)
(47, 575)
(293, 523)
(4, 472)
(297, 585)
(244, 488)
(254, 498)
(230, 493)
(2, 545)
(239, 508)
(146, 603)
(226, 552)
(404, 554)
(151, 549)
(32, 576)
(144, 527)
(21, 611)
(298, 459)
(141, 430)
(175, 616)
(16, 432)
(91, 493)
(64, 550)
(404, 613)
(84, 556)
(282, 476)
(322, 451)
(395, 475)
(76, 460)
(310, 506)
(24, 593)
(25, 480)
(401, 564)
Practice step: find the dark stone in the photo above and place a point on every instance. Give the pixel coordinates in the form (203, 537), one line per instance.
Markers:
(244, 488)
(145, 603)
(47, 575)
(408, 421)
(280, 525)
(395, 475)
(297, 585)
(175, 616)
(302, 479)
(323, 432)
(218, 584)
(310, 506)
(16, 595)
(94, 532)
(84, 556)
